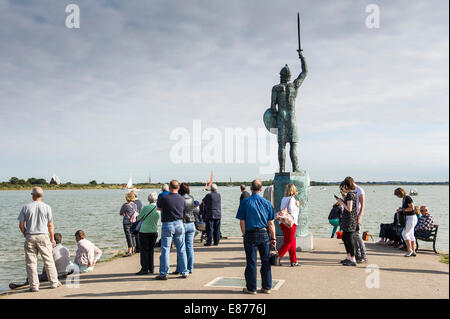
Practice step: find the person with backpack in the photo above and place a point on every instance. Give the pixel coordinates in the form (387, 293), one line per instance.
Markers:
(334, 218)
(148, 233)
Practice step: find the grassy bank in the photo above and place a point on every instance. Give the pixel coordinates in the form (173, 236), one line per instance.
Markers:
(5, 186)
(444, 259)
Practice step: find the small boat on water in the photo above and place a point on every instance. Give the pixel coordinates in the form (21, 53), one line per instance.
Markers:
(413, 192)
(129, 185)
(208, 185)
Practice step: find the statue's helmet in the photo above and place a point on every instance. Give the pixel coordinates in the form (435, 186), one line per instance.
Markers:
(285, 72)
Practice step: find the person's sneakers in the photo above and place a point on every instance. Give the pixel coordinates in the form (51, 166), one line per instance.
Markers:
(361, 261)
(34, 290)
(295, 264)
(344, 261)
(246, 291)
(409, 254)
(349, 263)
(57, 285)
(161, 277)
(414, 254)
(14, 286)
(176, 273)
(207, 245)
(142, 272)
(184, 276)
(266, 291)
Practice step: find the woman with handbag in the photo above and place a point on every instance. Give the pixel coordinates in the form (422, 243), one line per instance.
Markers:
(148, 233)
(129, 213)
(288, 223)
(407, 210)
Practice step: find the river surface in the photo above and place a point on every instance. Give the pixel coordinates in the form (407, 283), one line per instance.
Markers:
(97, 213)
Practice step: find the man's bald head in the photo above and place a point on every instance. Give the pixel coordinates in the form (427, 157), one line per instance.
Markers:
(256, 186)
(37, 193)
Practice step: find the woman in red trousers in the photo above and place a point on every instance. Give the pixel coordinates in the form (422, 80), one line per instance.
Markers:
(289, 244)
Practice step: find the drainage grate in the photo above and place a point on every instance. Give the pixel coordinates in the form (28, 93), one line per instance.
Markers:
(235, 282)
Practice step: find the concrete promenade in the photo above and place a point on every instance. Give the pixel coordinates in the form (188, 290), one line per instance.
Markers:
(319, 276)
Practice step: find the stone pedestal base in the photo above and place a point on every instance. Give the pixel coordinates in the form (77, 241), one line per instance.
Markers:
(300, 180)
(304, 243)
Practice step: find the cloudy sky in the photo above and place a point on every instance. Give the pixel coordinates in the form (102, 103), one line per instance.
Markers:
(101, 101)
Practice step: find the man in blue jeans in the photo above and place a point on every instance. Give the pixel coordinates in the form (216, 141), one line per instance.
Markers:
(256, 217)
(172, 206)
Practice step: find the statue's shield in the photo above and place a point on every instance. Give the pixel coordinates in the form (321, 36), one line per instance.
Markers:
(269, 120)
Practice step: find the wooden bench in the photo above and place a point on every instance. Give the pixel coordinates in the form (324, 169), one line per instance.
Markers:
(431, 238)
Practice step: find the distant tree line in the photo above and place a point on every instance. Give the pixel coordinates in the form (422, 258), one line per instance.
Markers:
(30, 181)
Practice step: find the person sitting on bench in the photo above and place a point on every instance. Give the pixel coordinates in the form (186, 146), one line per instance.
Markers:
(425, 224)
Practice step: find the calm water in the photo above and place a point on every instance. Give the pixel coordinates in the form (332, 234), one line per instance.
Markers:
(96, 212)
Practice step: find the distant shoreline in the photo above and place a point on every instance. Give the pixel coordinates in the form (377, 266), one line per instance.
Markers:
(70, 186)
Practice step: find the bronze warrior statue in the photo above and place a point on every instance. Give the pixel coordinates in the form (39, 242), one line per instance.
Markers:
(283, 96)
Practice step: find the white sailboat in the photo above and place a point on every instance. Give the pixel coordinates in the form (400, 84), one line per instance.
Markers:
(129, 185)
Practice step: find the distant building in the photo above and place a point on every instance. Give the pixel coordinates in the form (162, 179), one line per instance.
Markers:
(55, 180)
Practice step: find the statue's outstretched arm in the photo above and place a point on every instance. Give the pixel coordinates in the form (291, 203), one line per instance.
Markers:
(299, 80)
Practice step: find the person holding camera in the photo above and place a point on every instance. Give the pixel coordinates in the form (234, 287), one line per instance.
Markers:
(408, 210)
(349, 221)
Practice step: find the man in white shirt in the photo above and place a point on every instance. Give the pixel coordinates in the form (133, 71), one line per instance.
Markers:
(87, 253)
(360, 248)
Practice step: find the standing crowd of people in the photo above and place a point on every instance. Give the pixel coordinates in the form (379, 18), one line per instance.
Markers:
(182, 217)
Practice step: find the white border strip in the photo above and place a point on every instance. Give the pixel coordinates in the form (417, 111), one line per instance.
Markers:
(280, 282)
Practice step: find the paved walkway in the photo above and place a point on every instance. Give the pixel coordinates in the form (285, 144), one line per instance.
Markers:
(319, 276)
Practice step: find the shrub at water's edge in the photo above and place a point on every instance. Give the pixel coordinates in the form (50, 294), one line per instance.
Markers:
(444, 259)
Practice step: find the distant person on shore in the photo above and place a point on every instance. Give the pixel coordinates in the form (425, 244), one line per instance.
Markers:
(36, 223)
(244, 193)
(411, 221)
(148, 234)
(360, 247)
(289, 243)
(139, 205)
(61, 257)
(87, 253)
(189, 227)
(334, 218)
(425, 224)
(164, 192)
(213, 215)
(200, 225)
(129, 212)
(172, 228)
(256, 217)
(349, 221)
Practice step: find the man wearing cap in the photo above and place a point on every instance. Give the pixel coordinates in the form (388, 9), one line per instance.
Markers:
(36, 223)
